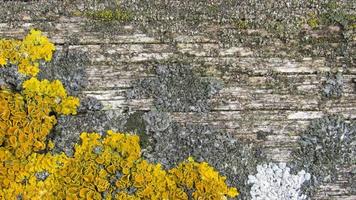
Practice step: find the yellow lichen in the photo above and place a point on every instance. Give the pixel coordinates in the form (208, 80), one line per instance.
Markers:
(26, 119)
(52, 94)
(26, 53)
(120, 174)
(102, 167)
(203, 179)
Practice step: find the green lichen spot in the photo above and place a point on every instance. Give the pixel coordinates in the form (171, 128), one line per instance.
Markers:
(109, 15)
(313, 21)
(242, 24)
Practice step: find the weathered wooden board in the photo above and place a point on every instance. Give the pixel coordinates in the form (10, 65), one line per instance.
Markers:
(271, 93)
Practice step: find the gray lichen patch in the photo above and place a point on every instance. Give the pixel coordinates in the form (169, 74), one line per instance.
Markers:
(89, 104)
(177, 88)
(14, 11)
(42, 175)
(98, 150)
(68, 66)
(328, 144)
(332, 87)
(157, 121)
(11, 78)
(141, 123)
(175, 142)
(136, 124)
(68, 129)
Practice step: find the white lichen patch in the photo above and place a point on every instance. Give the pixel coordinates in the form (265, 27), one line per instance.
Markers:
(275, 182)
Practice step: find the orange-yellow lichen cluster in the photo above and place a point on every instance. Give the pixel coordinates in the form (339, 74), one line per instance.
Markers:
(111, 166)
(26, 53)
(50, 95)
(202, 179)
(26, 119)
(108, 167)
(103, 167)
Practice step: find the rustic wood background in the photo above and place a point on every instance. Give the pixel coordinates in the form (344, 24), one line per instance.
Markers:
(273, 93)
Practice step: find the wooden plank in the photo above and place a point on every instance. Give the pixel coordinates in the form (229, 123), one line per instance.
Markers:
(269, 94)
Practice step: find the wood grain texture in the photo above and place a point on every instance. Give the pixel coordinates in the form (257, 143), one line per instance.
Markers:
(273, 94)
